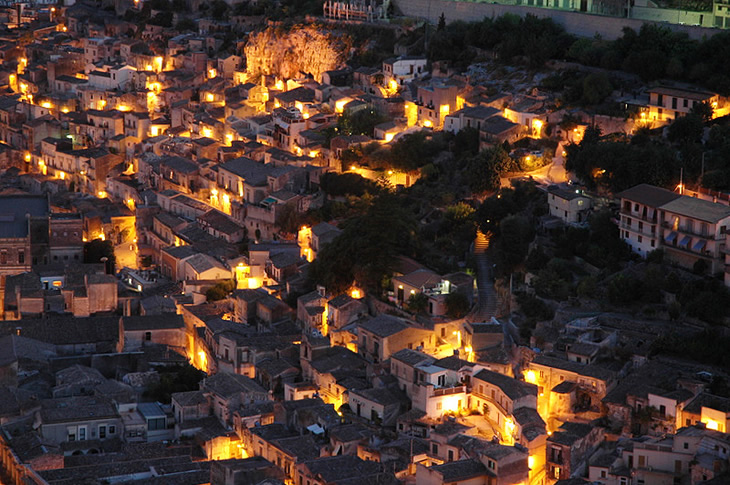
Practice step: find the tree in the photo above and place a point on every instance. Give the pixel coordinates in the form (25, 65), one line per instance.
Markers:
(485, 169)
(367, 249)
(686, 129)
(457, 305)
(596, 88)
(442, 23)
(361, 122)
(516, 233)
(96, 250)
(703, 110)
(186, 24)
(417, 303)
(220, 290)
(181, 378)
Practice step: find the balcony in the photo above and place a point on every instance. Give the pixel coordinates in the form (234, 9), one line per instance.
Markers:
(709, 235)
(651, 220)
(445, 391)
(646, 231)
(689, 251)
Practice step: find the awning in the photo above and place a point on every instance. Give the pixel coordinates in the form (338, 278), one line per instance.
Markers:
(699, 245)
(685, 242)
(671, 237)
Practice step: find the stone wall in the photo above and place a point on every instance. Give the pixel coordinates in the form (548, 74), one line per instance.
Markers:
(577, 23)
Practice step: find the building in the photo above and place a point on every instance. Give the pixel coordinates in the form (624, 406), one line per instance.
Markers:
(689, 230)
(570, 206)
(669, 103)
(640, 224)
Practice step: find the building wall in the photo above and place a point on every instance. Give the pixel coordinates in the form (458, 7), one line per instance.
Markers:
(642, 233)
(581, 24)
(173, 337)
(59, 432)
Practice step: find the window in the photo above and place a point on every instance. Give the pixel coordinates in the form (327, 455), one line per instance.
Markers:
(4, 257)
(623, 481)
(155, 424)
(490, 464)
(21, 257)
(435, 448)
(652, 243)
(642, 461)
(102, 432)
(82, 433)
(639, 239)
(603, 473)
(438, 406)
(148, 336)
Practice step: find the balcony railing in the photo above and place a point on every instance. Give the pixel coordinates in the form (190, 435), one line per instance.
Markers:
(688, 250)
(646, 231)
(692, 232)
(444, 391)
(652, 220)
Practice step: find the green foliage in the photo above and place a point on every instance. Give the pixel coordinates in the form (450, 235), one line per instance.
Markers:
(587, 287)
(624, 289)
(700, 267)
(180, 378)
(465, 142)
(707, 347)
(549, 284)
(186, 24)
(366, 250)
(97, 249)
(596, 88)
(163, 19)
(516, 233)
(145, 261)
(361, 122)
(707, 300)
(417, 303)
(672, 283)
(656, 52)
(485, 169)
(415, 150)
(218, 9)
(686, 129)
(618, 166)
(528, 39)
(347, 183)
(536, 260)
(457, 305)
(534, 308)
(442, 23)
(220, 290)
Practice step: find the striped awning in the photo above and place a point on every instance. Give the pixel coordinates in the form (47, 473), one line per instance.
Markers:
(671, 237)
(699, 245)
